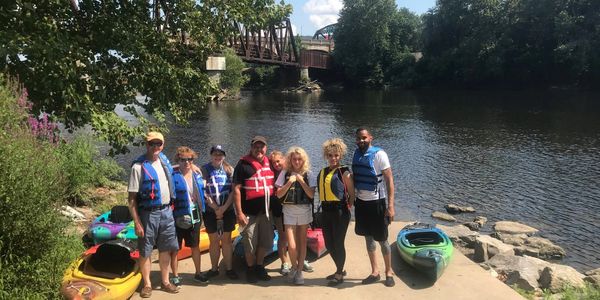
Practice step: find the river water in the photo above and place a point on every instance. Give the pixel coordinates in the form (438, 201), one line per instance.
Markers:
(531, 157)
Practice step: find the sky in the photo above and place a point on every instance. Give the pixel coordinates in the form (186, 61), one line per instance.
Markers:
(310, 15)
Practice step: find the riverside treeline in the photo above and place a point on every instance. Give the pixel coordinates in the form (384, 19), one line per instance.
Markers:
(471, 44)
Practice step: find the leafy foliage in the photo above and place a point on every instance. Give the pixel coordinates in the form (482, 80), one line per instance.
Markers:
(233, 78)
(34, 248)
(372, 40)
(82, 59)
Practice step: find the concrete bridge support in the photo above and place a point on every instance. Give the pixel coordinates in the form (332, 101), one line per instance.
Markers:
(215, 65)
(304, 74)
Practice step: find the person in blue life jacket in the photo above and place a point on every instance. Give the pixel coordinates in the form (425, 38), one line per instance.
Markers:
(296, 191)
(219, 217)
(150, 191)
(374, 184)
(187, 209)
(336, 195)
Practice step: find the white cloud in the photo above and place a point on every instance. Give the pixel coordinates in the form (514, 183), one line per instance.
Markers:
(323, 6)
(323, 20)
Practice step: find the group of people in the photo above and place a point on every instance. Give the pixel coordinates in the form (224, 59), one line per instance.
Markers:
(169, 205)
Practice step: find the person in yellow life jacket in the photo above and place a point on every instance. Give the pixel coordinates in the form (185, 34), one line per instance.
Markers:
(336, 193)
(252, 190)
(296, 193)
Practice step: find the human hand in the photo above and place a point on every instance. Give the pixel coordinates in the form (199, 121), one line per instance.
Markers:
(219, 212)
(389, 212)
(139, 230)
(241, 219)
(292, 179)
(300, 178)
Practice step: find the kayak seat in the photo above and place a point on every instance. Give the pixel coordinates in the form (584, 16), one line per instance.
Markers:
(120, 214)
(110, 261)
(424, 238)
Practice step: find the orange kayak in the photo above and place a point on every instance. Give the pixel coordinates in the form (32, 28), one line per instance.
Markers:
(186, 251)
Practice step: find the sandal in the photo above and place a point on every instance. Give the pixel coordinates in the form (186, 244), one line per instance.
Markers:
(336, 281)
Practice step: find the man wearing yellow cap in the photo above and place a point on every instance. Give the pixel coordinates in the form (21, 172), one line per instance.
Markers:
(150, 193)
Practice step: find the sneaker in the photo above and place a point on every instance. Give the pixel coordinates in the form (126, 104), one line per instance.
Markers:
(211, 273)
(231, 274)
(200, 277)
(299, 278)
(307, 267)
(251, 275)
(176, 281)
(285, 269)
(389, 281)
(146, 292)
(292, 275)
(169, 288)
(371, 279)
(332, 276)
(262, 274)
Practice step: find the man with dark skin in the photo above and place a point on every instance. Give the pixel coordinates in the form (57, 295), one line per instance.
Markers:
(252, 189)
(374, 183)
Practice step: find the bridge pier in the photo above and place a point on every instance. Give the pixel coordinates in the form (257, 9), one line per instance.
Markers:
(215, 65)
(304, 74)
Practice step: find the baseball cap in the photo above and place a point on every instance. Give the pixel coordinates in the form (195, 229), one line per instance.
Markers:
(217, 148)
(259, 138)
(153, 135)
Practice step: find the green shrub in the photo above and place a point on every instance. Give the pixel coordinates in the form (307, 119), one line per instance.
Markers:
(264, 77)
(233, 78)
(34, 247)
(84, 169)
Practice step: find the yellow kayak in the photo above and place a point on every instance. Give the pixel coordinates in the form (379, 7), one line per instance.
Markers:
(107, 271)
(204, 244)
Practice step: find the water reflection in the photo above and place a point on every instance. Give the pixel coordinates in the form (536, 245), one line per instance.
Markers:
(525, 156)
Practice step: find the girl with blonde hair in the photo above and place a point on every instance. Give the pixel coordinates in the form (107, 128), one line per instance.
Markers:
(296, 190)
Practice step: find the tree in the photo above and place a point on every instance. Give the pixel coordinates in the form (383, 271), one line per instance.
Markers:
(81, 59)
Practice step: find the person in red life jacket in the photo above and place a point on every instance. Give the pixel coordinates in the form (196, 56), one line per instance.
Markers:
(252, 190)
(150, 190)
(277, 161)
(187, 209)
(336, 193)
(374, 182)
(296, 193)
(219, 217)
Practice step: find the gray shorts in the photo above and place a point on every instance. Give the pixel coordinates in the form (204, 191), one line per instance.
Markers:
(159, 230)
(258, 233)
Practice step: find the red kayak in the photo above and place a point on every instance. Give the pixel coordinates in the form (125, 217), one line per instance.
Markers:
(315, 241)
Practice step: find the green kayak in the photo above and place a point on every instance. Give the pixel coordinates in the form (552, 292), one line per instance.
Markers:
(426, 248)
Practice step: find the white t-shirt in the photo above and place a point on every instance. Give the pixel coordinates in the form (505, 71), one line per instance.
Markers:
(380, 162)
(135, 180)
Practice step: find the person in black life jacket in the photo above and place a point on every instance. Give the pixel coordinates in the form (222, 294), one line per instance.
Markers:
(296, 193)
(336, 193)
(374, 183)
(277, 161)
(252, 190)
(219, 217)
(151, 190)
(187, 209)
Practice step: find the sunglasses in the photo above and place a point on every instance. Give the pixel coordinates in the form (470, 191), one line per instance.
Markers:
(155, 144)
(186, 159)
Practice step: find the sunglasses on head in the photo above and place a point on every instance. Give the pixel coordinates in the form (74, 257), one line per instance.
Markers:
(155, 144)
(190, 159)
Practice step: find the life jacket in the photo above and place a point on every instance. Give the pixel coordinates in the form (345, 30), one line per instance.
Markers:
(183, 204)
(218, 183)
(363, 169)
(331, 187)
(149, 193)
(295, 194)
(260, 184)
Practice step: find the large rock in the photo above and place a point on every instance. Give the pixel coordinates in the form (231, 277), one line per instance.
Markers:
(522, 271)
(512, 239)
(480, 220)
(546, 249)
(456, 209)
(495, 246)
(593, 277)
(473, 226)
(443, 216)
(513, 228)
(460, 235)
(557, 277)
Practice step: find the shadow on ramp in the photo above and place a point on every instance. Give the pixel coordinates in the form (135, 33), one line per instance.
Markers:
(409, 275)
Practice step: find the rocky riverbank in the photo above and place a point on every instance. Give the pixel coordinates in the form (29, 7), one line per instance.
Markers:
(514, 254)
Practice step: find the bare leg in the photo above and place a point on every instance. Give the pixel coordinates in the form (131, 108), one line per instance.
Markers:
(214, 250)
(164, 260)
(374, 265)
(145, 266)
(227, 249)
(196, 258)
(290, 231)
(174, 263)
(301, 243)
(387, 259)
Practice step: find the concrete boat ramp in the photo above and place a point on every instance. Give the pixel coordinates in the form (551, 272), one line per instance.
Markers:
(463, 279)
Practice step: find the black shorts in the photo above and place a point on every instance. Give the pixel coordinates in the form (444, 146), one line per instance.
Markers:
(370, 219)
(190, 235)
(210, 221)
